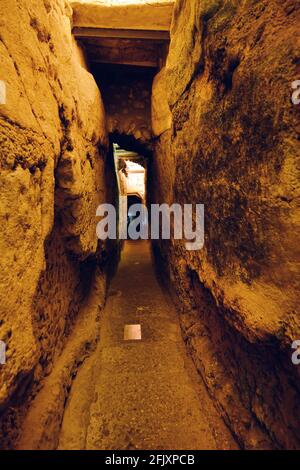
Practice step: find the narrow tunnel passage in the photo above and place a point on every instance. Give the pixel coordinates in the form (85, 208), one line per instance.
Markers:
(175, 326)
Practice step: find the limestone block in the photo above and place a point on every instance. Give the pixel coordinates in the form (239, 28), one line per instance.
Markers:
(149, 15)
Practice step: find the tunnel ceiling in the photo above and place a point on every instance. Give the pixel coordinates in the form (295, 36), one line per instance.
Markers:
(123, 32)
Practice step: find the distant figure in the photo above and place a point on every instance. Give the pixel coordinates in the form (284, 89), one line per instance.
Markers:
(123, 167)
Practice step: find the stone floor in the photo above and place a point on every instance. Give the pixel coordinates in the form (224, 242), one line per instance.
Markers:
(140, 394)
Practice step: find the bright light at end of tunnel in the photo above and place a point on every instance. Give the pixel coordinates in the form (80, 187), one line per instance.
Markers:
(135, 179)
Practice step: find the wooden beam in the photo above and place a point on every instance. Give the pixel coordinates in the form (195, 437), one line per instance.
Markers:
(82, 32)
(150, 64)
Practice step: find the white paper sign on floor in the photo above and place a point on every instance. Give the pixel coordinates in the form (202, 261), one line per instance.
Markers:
(132, 332)
(2, 353)
(2, 92)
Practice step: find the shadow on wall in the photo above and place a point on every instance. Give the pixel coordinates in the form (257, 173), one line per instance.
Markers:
(261, 407)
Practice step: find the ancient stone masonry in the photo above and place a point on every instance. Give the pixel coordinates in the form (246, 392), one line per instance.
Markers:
(53, 150)
(127, 100)
(230, 131)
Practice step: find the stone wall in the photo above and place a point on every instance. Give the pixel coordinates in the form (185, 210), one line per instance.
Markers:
(53, 147)
(127, 99)
(227, 136)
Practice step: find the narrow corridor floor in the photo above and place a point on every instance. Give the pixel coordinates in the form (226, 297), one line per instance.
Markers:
(140, 394)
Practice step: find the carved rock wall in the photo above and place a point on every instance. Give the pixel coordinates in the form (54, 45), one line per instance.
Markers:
(53, 147)
(233, 145)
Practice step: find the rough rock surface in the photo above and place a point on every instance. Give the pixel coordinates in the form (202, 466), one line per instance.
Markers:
(161, 117)
(234, 145)
(41, 427)
(52, 145)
